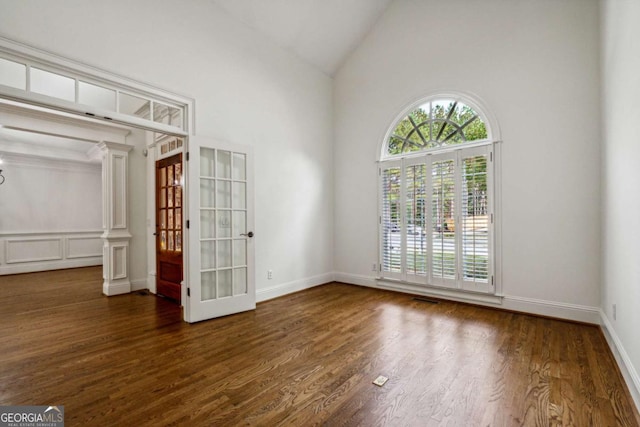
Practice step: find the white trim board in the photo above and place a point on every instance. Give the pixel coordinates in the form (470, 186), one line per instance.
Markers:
(558, 310)
(282, 289)
(39, 161)
(33, 267)
(629, 373)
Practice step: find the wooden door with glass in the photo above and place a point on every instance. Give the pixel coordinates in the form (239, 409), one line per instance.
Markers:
(169, 229)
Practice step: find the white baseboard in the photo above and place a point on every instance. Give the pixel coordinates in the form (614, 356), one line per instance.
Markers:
(151, 282)
(624, 362)
(560, 310)
(33, 267)
(116, 288)
(527, 305)
(355, 279)
(294, 286)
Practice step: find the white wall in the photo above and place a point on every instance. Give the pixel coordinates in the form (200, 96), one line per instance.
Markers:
(43, 195)
(247, 91)
(535, 65)
(41, 226)
(620, 177)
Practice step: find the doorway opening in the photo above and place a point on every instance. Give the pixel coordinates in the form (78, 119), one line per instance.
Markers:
(168, 226)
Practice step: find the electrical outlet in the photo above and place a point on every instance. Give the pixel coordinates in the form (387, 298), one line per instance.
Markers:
(374, 267)
(270, 274)
(615, 314)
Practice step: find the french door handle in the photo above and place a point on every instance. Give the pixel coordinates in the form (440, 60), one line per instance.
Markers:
(249, 234)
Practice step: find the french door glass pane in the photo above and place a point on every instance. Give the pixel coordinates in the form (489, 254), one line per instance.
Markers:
(224, 224)
(239, 167)
(225, 283)
(443, 210)
(207, 162)
(178, 196)
(239, 223)
(239, 253)
(170, 179)
(208, 285)
(475, 221)
(170, 197)
(239, 195)
(223, 194)
(224, 164)
(207, 255)
(171, 240)
(163, 218)
(178, 241)
(239, 281)
(163, 177)
(223, 251)
(207, 224)
(207, 192)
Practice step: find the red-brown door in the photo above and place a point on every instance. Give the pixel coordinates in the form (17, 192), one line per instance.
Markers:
(169, 236)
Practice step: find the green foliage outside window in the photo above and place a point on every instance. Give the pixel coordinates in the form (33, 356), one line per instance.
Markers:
(436, 124)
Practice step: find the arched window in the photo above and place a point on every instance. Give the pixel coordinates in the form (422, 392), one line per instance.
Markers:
(436, 208)
(434, 124)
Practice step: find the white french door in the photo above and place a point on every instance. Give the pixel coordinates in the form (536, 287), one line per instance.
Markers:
(436, 220)
(221, 252)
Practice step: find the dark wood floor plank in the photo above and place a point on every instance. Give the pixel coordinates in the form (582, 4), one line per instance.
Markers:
(304, 359)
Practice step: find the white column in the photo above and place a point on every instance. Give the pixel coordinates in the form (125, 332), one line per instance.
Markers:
(115, 218)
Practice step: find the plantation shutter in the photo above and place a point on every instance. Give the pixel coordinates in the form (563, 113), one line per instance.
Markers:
(415, 221)
(476, 219)
(443, 220)
(436, 219)
(391, 221)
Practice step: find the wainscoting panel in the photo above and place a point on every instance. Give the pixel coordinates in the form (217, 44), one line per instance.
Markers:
(84, 247)
(31, 251)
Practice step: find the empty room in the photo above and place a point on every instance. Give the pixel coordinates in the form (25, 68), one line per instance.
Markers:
(306, 212)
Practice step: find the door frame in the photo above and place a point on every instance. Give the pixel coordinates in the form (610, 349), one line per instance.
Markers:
(156, 218)
(21, 99)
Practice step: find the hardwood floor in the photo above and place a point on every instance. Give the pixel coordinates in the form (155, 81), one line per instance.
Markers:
(304, 359)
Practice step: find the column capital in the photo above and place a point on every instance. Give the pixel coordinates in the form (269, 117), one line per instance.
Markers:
(114, 146)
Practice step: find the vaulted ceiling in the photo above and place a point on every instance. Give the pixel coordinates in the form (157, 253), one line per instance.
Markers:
(322, 32)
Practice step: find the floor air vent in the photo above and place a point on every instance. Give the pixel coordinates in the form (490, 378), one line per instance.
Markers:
(429, 300)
